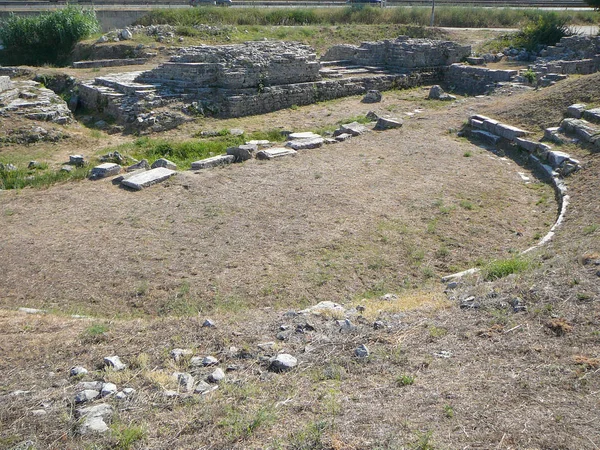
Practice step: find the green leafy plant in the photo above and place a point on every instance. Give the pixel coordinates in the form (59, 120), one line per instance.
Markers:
(405, 380)
(530, 76)
(46, 38)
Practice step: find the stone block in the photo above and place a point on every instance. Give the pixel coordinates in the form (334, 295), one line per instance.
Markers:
(76, 160)
(303, 135)
(592, 115)
(275, 152)
(387, 124)
(148, 178)
(215, 161)
(529, 146)
(242, 152)
(162, 162)
(486, 136)
(509, 132)
(354, 128)
(556, 158)
(105, 170)
(343, 137)
(576, 111)
(5, 83)
(305, 144)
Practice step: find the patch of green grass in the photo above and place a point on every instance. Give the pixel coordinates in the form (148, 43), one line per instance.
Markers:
(240, 424)
(466, 204)
(126, 436)
(448, 411)
(503, 267)
(467, 154)
(423, 442)
(38, 178)
(310, 437)
(591, 229)
(405, 380)
(95, 333)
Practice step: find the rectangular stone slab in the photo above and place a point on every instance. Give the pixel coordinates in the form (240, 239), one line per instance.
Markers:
(105, 170)
(304, 144)
(277, 152)
(509, 132)
(148, 178)
(215, 161)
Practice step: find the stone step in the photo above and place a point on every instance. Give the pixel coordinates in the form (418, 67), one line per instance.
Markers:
(584, 130)
(109, 63)
(592, 115)
(124, 83)
(335, 63)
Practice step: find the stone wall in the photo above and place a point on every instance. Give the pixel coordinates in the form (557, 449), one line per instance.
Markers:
(473, 80)
(250, 65)
(5, 83)
(280, 97)
(401, 54)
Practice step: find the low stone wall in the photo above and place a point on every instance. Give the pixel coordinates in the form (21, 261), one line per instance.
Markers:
(109, 63)
(401, 54)
(5, 83)
(473, 80)
(280, 97)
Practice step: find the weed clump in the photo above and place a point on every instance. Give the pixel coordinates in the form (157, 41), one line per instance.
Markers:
(504, 267)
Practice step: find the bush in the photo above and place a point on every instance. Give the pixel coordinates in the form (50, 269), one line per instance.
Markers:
(47, 38)
(546, 30)
(594, 4)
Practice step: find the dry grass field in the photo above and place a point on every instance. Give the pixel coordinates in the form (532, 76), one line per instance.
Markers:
(385, 212)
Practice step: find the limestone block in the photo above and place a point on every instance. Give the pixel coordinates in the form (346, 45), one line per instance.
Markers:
(304, 144)
(529, 146)
(215, 161)
(105, 170)
(275, 152)
(148, 178)
(387, 124)
(242, 152)
(486, 136)
(5, 83)
(509, 132)
(593, 115)
(576, 111)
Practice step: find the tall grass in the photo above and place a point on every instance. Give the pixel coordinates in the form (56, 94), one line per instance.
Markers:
(46, 38)
(446, 16)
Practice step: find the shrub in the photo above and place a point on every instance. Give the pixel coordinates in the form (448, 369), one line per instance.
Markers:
(547, 30)
(46, 38)
(594, 4)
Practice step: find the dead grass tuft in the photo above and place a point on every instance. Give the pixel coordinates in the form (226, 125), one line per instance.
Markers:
(559, 326)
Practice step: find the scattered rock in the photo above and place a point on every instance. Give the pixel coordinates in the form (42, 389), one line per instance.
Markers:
(443, 354)
(94, 385)
(34, 165)
(242, 152)
(39, 412)
(203, 387)
(323, 306)
(469, 303)
(125, 34)
(452, 285)
(143, 164)
(162, 162)
(66, 169)
(387, 124)
(283, 362)
(108, 389)
(354, 128)
(86, 396)
(343, 137)
(177, 353)
(517, 304)
(217, 376)
(128, 391)
(372, 96)
(389, 297)
(210, 361)
(94, 418)
(361, 351)
(76, 160)
(208, 324)
(236, 131)
(345, 325)
(114, 362)
(437, 93)
(170, 394)
(77, 370)
(378, 325)
(185, 380)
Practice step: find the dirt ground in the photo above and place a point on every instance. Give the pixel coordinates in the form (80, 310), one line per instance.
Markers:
(384, 212)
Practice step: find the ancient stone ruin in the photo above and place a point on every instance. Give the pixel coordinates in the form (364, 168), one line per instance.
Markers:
(259, 77)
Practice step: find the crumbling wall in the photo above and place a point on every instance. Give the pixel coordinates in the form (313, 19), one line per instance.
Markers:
(474, 80)
(401, 54)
